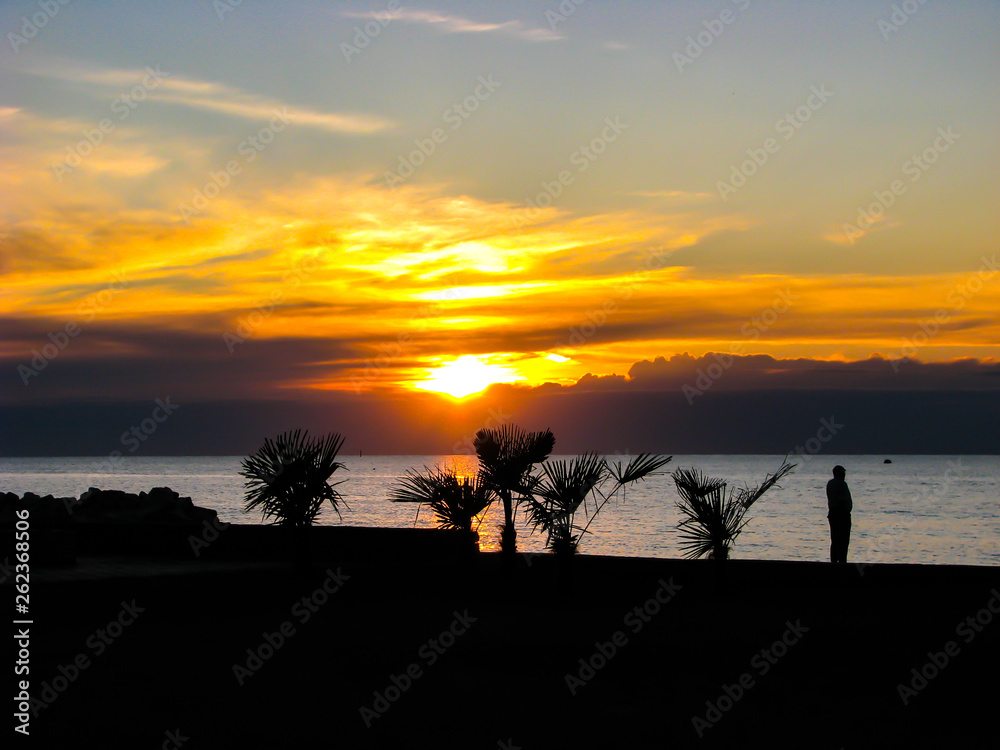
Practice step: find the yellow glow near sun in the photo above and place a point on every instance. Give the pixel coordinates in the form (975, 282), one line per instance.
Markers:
(482, 291)
(481, 257)
(466, 375)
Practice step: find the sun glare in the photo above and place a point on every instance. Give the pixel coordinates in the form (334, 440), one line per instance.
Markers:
(465, 375)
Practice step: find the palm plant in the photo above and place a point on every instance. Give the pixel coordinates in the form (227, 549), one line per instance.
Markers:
(456, 500)
(564, 486)
(714, 513)
(506, 457)
(288, 478)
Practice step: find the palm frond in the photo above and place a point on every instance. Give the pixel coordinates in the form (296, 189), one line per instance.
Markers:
(641, 466)
(288, 477)
(540, 515)
(749, 495)
(562, 489)
(711, 520)
(713, 515)
(693, 483)
(456, 501)
(507, 453)
(566, 484)
(509, 442)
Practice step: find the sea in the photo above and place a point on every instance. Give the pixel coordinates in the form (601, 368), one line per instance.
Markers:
(938, 510)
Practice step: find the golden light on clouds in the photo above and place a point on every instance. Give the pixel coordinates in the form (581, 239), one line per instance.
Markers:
(484, 291)
(439, 280)
(393, 230)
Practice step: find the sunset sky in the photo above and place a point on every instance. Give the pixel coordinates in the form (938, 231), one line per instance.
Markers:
(347, 208)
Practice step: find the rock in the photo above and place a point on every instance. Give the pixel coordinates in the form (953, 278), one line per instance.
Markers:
(43, 511)
(161, 505)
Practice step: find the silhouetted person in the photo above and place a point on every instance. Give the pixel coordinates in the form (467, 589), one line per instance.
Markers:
(839, 503)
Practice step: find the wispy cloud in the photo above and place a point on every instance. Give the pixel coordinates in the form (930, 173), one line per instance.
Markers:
(212, 96)
(219, 260)
(673, 195)
(261, 108)
(450, 24)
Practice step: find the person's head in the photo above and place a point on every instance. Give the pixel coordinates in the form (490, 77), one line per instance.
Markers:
(839, 471)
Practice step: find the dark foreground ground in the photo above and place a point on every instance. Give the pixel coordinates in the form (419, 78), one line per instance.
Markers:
(499, 678)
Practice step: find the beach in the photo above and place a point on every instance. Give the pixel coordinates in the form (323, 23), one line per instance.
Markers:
(457, 650)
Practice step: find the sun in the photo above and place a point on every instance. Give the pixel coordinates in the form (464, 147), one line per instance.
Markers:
(466, 375)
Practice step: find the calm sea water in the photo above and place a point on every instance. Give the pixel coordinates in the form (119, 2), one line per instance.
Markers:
(918, 509)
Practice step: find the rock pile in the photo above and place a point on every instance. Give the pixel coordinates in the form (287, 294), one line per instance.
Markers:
(161, 505)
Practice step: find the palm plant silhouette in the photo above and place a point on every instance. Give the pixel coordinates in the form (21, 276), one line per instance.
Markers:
(507, 455)
(456, 500)
(564, 486)
(288, 477)
(713, 514)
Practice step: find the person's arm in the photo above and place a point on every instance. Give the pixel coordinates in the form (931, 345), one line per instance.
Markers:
(838, 496)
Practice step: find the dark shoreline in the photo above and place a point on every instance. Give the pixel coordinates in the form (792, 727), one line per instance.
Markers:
(505, 676)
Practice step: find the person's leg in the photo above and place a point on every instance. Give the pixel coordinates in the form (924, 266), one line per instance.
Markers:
(838, 546)
(847, 539)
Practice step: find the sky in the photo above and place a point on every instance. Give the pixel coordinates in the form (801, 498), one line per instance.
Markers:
(636, 223)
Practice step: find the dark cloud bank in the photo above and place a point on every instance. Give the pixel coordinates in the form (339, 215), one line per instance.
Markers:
(88, 404)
